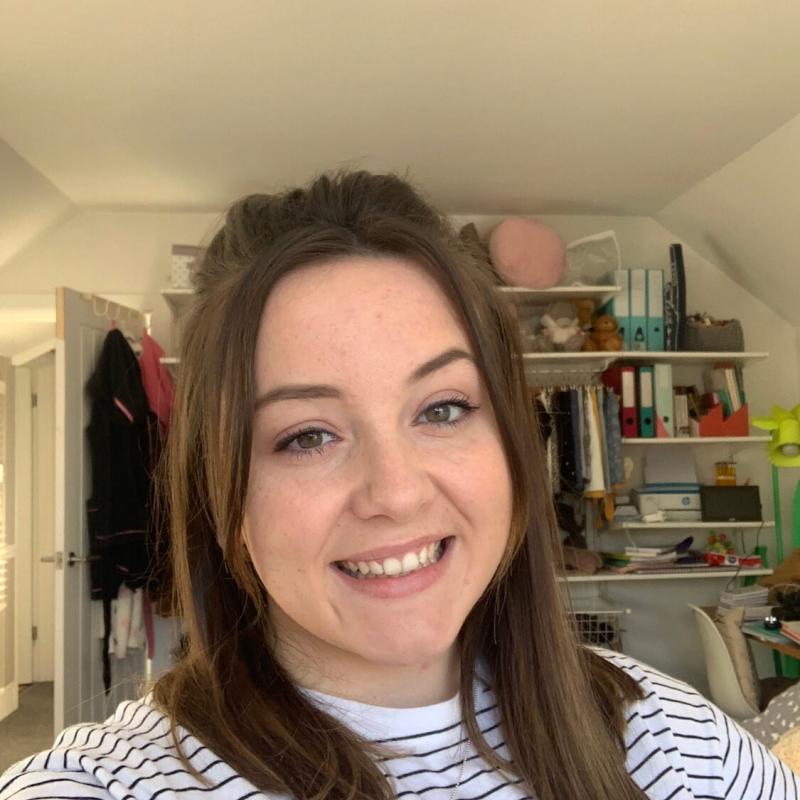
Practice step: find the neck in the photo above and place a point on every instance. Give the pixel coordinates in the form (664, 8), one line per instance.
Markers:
(332, 671)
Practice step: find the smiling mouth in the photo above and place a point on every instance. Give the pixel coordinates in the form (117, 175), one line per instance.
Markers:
(413, 561)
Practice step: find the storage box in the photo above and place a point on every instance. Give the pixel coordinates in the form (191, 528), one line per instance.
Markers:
(715, 424)
(185, 260)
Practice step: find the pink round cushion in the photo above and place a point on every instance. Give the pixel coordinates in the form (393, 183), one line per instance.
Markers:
(527, 253)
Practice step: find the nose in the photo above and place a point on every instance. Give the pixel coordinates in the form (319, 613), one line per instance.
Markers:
(392, 480)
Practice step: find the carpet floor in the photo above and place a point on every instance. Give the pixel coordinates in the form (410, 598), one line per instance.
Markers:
(30, 728)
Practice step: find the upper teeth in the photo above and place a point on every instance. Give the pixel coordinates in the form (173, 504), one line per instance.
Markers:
(411, 561)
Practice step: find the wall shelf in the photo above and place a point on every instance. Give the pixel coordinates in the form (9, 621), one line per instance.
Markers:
(669, 526)
(525, 296)
(602, 359)
(178, 300)
(694, 440)
(685, 357)
(690, 574)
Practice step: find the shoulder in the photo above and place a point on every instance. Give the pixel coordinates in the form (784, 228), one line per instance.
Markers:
(131, 755)
(677, 740)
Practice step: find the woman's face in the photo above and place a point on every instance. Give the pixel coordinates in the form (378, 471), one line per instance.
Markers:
(379, 500)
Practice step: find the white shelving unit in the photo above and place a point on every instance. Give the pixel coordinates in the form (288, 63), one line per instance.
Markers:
(678, 526)
(699, 440)
(677, 575)
(602, 360)
(524, 296)
(178, 300)
(588, 594)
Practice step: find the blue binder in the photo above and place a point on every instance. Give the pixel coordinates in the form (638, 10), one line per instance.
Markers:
(647, 418)
(655, 310)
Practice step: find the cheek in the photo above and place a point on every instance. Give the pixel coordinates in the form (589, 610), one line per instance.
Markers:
(279, 533)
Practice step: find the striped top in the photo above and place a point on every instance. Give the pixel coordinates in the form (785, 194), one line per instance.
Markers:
(679, 746)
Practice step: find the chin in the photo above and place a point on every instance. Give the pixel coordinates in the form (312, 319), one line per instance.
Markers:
(416, 648)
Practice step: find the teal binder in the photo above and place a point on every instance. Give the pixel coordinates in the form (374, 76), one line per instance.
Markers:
(647, 420)
(619, 305)
(638, 309)
(655, 310)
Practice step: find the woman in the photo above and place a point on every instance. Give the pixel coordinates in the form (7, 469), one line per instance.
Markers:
(364, 548)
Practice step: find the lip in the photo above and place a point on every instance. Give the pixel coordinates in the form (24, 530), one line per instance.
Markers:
(402, 586)
(392, 551)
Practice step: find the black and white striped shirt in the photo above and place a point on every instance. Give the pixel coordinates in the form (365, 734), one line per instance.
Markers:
(679, 746)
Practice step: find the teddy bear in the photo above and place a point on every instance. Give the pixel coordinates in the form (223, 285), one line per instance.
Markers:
(559, 330)
(605, 335)
(585, 308)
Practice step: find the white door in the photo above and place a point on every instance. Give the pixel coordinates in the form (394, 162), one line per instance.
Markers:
(82, 323)
(32, 468)
(8, 678)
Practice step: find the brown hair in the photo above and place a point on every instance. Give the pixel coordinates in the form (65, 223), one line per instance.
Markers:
(561, 705)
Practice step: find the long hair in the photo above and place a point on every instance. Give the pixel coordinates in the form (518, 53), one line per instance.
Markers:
(561, 705)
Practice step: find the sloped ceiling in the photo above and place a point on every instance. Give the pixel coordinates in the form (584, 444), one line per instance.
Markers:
(593, 107)
(744, 219)
(29, 203)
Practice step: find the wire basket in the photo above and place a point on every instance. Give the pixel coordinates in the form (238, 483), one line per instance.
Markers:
(599, 628)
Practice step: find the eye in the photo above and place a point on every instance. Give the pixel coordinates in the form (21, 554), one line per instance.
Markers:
(448, 412)
(305, 442)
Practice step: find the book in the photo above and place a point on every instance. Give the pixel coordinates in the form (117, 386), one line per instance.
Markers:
(681, 413)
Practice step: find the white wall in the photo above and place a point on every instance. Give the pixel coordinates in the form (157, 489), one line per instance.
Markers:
(127, 255)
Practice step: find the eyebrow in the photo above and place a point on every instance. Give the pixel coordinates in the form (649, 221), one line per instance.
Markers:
(317, 391)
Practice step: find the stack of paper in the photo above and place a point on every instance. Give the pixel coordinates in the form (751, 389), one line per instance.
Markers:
(752, 598)
(646, 559)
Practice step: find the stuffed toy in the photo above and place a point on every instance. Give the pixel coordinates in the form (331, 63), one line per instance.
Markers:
(560, 330)
(604, 336)
(527, 253)
(585, 308)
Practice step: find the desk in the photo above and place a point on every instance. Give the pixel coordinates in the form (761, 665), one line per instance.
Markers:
(775, 640)
(756, 631)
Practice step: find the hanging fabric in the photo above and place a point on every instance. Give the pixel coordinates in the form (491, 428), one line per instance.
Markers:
(120, 429)
(595, 485)
(156, 380)
(160, 392)
(614, 441)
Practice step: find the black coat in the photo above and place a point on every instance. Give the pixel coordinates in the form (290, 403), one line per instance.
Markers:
(119, 432)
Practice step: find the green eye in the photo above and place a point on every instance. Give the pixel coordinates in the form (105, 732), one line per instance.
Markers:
(440, 413)
(310, 440)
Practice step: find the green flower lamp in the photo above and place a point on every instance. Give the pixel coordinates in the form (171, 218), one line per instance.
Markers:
(784, 451)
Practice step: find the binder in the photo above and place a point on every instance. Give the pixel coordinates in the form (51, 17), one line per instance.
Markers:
(629, 411)
(655, 310)
(619, 305)
(638, 309)
(647, 422)
(675, 300)
(664, 413)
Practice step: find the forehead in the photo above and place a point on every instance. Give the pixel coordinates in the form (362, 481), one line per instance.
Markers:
(363, 310)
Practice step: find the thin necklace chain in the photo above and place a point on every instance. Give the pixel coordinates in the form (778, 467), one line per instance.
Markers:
(454, 791)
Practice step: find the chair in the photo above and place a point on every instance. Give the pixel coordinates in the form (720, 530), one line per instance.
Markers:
(726, 691)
